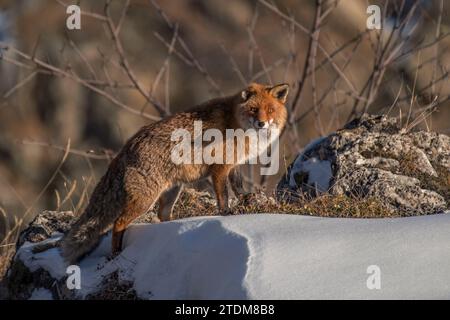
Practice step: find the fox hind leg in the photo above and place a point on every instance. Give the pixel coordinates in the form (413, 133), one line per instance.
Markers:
(167, 201)
(133, 208)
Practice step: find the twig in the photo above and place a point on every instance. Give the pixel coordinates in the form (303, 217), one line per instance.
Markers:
(126, 66)
(64, 74)
(107, 155)
(312, 48)
(165, 65)
(194, 62)
(14, 230)
(20, 84)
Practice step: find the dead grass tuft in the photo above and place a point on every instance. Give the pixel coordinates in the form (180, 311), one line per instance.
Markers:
(193, 203)
(112, 288)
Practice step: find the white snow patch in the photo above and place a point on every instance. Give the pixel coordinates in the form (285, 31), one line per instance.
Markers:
(319, 171)
(41, 294)
(274, 256)
(49, 260)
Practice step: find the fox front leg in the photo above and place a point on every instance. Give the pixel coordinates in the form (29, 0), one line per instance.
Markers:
(220, 177)
(235, 179)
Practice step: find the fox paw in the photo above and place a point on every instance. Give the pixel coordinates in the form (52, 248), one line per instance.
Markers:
(226, 212)
(113, 255)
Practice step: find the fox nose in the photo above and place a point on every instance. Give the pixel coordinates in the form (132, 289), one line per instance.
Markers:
(260, 124)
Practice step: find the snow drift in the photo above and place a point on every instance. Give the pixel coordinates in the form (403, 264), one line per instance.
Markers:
(271, 256)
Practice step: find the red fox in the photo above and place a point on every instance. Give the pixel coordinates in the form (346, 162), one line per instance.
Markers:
(143, 173)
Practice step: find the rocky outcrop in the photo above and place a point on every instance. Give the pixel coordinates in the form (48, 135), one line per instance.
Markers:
(45, 225)
(374, 157)
(28, 280)
(21, 281)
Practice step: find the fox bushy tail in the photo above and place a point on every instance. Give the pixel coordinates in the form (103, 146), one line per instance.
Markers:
(102, 210)
(85, 234)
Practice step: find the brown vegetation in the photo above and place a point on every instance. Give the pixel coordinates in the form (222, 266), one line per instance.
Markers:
(194, 203)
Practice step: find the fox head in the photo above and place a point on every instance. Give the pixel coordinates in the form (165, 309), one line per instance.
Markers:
(263, 107)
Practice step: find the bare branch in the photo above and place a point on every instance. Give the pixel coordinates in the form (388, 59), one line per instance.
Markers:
(49, 69)
(97, 155)
(124, 63)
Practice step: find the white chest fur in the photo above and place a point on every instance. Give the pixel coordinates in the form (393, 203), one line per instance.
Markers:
(259, 144)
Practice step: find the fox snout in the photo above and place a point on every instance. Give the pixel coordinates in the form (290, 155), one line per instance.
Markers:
(260, 124)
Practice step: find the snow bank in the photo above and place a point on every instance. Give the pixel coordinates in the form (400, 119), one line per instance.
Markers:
(272, 256)
(41, 294)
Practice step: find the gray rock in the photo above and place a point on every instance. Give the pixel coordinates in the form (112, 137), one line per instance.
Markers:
(20, 280)
(373, 157)
(45, 224)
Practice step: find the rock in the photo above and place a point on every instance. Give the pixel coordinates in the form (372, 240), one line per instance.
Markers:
(45, 224)
(25, 281)
(373, 157)
(21, 281)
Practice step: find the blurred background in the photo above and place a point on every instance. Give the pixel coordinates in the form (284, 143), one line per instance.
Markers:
(133, 62)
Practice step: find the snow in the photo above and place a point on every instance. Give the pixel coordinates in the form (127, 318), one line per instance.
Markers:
(273, 256)
(49, 260)
(319, 171)
(41, 294)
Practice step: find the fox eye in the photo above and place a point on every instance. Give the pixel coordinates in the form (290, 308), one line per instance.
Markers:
(253, 110)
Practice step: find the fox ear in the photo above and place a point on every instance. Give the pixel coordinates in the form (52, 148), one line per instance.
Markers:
(245, 95)
(280, 92)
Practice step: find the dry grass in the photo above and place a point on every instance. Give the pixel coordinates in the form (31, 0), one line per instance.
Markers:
(6, 255)
(7, 246)
(114, 289)
(193, 203)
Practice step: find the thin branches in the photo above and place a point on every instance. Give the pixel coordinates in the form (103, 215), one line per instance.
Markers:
(97, 155)
(190, 57)
(59, 72)
(310, 55)
(114, 33)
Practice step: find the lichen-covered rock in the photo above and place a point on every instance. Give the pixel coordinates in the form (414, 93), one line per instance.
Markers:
(373, 157)
(21, 281)
(45, 224)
